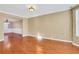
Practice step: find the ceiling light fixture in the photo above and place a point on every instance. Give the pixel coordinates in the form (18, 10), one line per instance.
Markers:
(31, 8)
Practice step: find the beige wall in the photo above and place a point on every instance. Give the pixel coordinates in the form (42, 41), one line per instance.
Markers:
(25, 27)
(57, 25)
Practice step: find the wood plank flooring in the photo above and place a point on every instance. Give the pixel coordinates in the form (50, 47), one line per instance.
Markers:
(16, 44)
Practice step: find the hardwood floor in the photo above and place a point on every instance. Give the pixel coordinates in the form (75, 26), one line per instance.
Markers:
(16, 44)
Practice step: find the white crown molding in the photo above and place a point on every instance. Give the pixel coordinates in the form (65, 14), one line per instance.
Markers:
(4, 12)
(46, 13)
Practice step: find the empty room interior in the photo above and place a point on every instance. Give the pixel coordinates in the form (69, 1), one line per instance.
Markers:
(39, 29)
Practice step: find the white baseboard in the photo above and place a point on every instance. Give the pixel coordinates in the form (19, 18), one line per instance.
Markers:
(1, 40)
(75, 44)
(27, 35)
(50, 38)
(24, 35)
(59, 40)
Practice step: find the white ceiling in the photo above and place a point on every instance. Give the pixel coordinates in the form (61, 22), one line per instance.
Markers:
(41, 9)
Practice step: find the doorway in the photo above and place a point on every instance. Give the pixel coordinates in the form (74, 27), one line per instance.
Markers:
(13, 30)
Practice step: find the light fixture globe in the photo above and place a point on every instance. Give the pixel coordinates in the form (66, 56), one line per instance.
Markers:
(31, 8)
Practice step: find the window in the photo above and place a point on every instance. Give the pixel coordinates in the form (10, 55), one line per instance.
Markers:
(77, 22)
